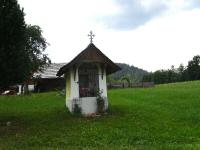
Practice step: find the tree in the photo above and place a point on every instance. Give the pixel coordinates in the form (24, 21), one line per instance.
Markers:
(35, 46)
(193, 68)
(148, 77)
(182, 73)
(14, 62)
(181, 68)
(173, 75)
(127, 79)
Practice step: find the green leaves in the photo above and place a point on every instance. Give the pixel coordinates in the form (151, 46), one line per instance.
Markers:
(21, 46)
(36, 45)
(13, 56)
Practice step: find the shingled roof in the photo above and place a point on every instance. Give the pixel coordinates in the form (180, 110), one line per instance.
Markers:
(49, 71)
(90, 55)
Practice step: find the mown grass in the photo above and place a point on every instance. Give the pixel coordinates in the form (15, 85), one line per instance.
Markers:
(163, 117)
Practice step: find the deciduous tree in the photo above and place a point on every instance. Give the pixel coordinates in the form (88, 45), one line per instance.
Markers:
(35, 46)
(193, 68)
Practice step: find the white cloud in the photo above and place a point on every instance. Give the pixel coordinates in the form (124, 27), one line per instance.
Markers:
(168, 39)
(162, 42)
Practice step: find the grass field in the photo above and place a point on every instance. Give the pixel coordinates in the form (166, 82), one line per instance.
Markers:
(163, 117)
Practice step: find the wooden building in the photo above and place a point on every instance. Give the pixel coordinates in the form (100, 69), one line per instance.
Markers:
(47, 80)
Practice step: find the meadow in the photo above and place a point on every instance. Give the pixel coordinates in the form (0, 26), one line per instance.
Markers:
(163, 117)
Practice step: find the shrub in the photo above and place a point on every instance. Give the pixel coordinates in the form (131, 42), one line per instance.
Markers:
(100, 102)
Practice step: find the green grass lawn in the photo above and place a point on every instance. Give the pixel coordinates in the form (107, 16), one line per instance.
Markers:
(164, 117)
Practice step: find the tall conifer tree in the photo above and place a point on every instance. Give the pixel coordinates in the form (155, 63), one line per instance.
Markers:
(14, 62)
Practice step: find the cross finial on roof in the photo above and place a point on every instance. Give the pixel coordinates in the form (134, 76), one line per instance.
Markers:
(91, 36)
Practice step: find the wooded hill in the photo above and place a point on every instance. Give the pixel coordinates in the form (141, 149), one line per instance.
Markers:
(133, 73)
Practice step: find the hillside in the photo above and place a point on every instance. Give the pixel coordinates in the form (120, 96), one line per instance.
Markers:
(135, 74)
(163, 117)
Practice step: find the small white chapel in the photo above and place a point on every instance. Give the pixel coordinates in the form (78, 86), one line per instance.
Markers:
(86, 79)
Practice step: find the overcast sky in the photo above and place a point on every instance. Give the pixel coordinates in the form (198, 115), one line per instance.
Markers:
(149, 34)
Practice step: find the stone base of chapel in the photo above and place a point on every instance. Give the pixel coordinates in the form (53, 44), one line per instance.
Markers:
(87, 105)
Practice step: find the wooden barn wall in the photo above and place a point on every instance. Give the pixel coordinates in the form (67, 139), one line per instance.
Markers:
(44, 85)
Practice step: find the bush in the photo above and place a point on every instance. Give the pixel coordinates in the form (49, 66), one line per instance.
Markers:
(100, 102)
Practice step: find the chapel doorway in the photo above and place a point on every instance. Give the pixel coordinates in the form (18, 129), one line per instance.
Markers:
(88, 80)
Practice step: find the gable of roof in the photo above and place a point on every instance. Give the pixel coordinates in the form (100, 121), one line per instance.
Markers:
(90, 54)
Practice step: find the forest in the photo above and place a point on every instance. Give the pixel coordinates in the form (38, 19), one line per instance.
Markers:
(134, 74)
(182, 73)
(130, 72)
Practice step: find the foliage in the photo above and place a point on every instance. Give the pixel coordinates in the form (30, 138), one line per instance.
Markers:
(76, 106)
(194, 68)
(100, 102)
(191, 72)
(133, 73)
(14, 62)
(164, 117)
(62, 92)
(181, 70)
(163, 76)
(36, 45)
(21, 48)
(125, 78)
(77, 109)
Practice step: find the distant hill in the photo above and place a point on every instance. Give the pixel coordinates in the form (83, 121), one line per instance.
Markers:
(133, 73)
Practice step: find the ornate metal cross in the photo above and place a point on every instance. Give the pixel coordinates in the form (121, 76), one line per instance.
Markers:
(91, 36)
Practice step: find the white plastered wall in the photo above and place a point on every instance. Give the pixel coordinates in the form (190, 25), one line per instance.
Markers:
(103, 85)
(74, 88)
(88, 104)
(102, 82)
(74, 84)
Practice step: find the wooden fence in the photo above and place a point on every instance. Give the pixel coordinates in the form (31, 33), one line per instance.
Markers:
(132, 85)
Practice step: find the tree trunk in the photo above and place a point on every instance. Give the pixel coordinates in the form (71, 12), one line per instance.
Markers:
(26, 90)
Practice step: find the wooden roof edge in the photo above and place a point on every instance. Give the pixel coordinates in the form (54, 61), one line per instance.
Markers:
(64, 68)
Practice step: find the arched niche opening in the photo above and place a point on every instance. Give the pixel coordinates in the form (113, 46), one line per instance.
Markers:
(88, 80)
